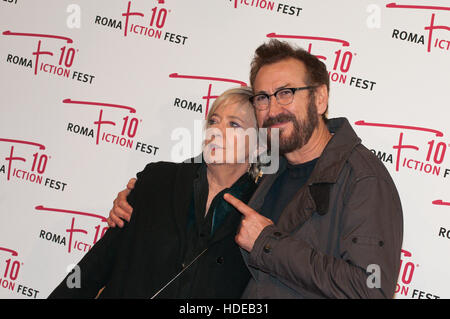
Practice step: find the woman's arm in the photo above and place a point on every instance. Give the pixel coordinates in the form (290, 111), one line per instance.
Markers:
(96, 266)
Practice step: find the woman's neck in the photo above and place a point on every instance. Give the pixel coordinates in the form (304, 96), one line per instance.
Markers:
(222, 176)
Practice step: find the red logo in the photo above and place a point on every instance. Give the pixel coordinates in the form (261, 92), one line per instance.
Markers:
(65, 56)
(154, 29)
(440, 202)
(270, 6)
(10, 269)
(75, 243)
(407, 268)
(127, 127)
(9, 272)
(341, 59)
(429, 162)
(433, 41)
(32, 172)
(208, 95)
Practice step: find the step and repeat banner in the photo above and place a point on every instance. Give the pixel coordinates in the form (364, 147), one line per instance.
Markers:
(92, 91)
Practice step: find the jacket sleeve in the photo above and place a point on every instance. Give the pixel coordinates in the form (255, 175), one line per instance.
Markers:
(370, 245)
(96, 266)
(93, 269)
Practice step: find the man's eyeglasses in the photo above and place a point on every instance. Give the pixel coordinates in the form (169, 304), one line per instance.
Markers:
(283, 96)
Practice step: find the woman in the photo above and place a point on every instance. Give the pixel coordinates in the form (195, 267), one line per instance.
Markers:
(179, 242)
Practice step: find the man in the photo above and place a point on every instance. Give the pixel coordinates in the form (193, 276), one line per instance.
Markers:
(329, 223)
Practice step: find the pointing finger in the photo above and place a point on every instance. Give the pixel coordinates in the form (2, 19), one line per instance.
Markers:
(239, 205)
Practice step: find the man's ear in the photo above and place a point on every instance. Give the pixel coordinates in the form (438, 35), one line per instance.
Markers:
(321, 97)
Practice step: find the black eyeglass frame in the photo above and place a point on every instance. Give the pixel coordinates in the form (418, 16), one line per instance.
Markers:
(293, 90)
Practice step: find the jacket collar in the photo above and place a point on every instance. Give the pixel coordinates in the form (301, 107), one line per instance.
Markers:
(192, 174)
(185, 175)
(336, 153)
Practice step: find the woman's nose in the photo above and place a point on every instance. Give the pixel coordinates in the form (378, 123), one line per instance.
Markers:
(213, 133)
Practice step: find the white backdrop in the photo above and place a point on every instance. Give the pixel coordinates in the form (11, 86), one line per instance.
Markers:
(91, 92)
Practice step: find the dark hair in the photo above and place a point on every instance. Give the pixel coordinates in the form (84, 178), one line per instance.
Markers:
(276, 51)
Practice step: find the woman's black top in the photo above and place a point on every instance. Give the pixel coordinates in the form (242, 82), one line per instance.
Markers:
(167, 231)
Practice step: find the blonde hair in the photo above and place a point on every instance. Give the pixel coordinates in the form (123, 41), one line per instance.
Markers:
(239, 95)
(242, 96)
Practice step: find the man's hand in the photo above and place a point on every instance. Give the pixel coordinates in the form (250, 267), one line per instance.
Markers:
(121, 209)
(251, 225)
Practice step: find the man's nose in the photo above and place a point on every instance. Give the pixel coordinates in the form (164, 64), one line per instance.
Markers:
(274, 107)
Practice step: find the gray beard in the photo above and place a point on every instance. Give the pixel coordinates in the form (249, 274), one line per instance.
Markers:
(302, 131)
